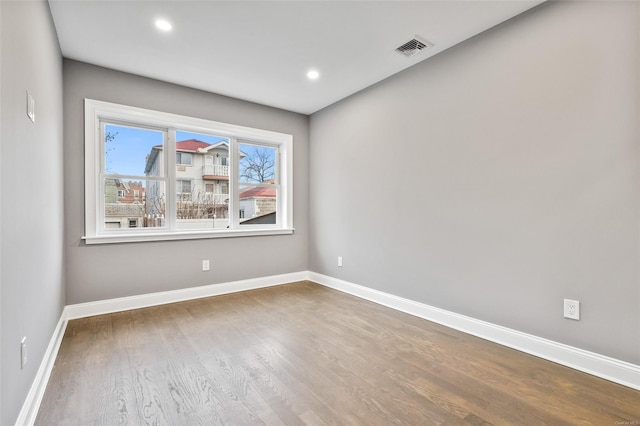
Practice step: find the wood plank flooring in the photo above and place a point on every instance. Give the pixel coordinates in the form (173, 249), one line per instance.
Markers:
(305, 354)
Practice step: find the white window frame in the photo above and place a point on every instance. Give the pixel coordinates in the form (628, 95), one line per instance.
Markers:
(97, 233)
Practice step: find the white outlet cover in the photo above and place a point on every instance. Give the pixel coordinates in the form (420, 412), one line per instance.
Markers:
(572, 309)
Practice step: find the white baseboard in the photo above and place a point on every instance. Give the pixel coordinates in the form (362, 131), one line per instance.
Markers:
(611, 369)
(82, 310)
(29, 410)
(617, 371)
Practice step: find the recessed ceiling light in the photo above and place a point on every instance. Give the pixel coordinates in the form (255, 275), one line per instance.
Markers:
(313, 75)
(163, 25)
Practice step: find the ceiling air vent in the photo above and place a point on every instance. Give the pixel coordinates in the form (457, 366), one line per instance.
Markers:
(413, 47)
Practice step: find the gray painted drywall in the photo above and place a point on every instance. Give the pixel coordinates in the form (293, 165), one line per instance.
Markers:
(496, 178)
(31, 248)
(98, 272)
(0, 211)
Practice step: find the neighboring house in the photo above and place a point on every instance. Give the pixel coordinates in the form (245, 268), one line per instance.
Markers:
(124, 204)
(268, 218)
(257, 202)
(202, 180)
(202, 173)
(131, 192)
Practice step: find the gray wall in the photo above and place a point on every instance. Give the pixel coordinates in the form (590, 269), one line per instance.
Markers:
(99, 272)
(510, 164)
(31, 248)
(1, 36)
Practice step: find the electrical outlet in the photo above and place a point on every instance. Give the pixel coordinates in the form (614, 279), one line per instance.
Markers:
(571, 309)
(340, 261)
(205, 265)
(23, 352)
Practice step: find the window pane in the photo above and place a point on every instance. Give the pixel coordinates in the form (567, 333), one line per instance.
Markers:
(203, 207)
(257, 164)
(128, 202)
(258, 205)
(132, 151)
(201, 200)
(155, 203)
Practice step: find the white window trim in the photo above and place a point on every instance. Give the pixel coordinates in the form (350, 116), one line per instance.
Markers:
(95, 111)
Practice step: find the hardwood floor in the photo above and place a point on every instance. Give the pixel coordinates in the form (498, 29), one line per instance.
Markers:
(305, 354)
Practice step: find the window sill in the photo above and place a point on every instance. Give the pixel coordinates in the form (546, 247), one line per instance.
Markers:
(174, 236)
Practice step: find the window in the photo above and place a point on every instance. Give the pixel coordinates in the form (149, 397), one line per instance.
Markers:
(183, 189)
(246, 191)
(183, 158)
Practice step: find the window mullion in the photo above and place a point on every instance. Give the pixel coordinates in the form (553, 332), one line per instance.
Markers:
(279, 195)
(170, 164)
(100, 164)
(234, 187)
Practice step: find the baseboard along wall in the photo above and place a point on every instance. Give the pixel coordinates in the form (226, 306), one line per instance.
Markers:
(608, 368)
(31, 404)
(611, 369)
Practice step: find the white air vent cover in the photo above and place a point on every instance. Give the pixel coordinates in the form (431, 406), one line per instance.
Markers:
(413, 47)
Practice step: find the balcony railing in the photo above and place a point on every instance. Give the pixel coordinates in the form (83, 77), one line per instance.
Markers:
(215, 170)
(210, 198)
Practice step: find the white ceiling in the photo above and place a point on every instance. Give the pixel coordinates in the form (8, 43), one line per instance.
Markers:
(260, 51)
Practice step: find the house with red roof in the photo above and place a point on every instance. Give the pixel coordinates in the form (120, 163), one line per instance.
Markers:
(202, 179)
(258, 201)
(130, 192)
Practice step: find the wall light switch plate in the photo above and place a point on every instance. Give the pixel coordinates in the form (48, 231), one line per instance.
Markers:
(31, 107)
(23, 352)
